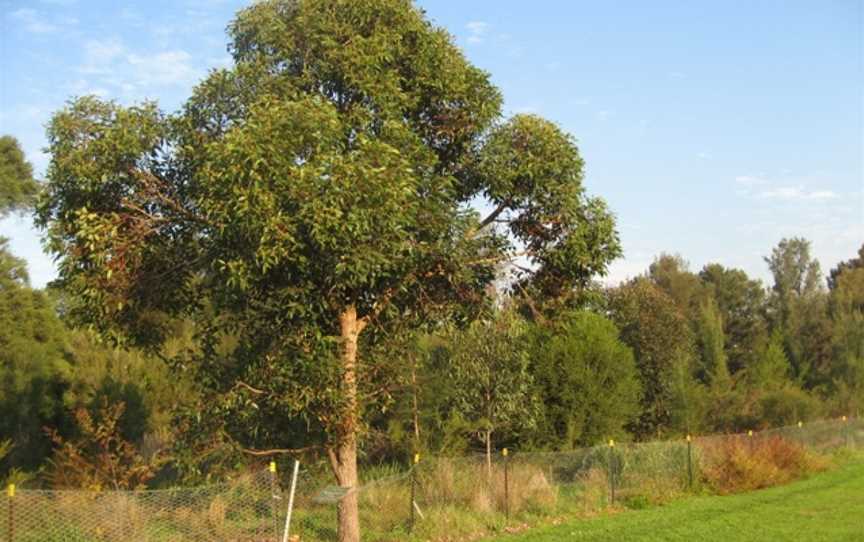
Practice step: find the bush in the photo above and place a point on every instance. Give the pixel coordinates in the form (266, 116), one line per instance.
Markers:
(737, 464)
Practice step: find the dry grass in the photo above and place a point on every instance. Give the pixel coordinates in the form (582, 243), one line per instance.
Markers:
(469, 485)
(743, 464)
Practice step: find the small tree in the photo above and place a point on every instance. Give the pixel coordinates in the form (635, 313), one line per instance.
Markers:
(99, 457)
(492, 384)
(711, 342)
(587, 379)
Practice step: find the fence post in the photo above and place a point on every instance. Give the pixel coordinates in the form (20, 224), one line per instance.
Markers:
(274, 506)
(506, 485)
(612, 471)
(689, 462)
(291, 501)
(750, 440)
(413, 491)
(10, 493)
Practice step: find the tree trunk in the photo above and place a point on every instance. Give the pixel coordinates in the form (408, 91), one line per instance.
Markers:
(416, 412)
(344, 455)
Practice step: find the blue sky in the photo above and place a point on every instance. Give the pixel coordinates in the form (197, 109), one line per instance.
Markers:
(713, 129)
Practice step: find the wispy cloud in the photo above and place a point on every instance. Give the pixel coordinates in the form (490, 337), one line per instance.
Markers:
(761, 187)
(162, 69)
(751, 180)
(796, 193)
(477, 31)
(114, 65)
(32, 21)
(604, 114)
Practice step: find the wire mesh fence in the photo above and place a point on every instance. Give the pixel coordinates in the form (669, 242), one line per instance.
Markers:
(242, 510)
(434, 497)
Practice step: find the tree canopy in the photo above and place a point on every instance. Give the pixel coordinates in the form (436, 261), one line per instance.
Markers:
(318, 187)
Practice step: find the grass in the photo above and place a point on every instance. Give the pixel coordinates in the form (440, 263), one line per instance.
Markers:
(825, 507)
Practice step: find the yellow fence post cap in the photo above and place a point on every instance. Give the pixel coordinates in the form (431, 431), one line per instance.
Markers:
(416, 458)
(273, 466)
(504, 453)
(11, 490)
(844, 418)
(750, 433)
(800, 424)
(688, 438)
(611, 443)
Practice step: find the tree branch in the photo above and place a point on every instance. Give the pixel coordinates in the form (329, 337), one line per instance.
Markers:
(275, 451)
(489, 219)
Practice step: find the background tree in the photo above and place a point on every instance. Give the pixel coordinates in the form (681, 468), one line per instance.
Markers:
(652, 325)
(34, 367)
(711, 340)
(17, 186)
(847, 323)
(799, 308)
(848, 265)
(741, 302)
(672, 275)
(587, 381)
(303, 204)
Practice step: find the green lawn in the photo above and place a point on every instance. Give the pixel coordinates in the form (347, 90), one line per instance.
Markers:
(829, 506)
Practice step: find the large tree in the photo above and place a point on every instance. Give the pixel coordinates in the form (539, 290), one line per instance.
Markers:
(305, 203)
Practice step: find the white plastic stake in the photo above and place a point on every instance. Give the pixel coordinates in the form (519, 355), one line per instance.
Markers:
(291, 501)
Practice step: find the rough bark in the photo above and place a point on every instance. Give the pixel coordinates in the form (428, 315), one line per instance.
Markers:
(344, 454)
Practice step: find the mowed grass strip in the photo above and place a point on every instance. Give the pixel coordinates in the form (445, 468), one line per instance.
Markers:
(826, 507)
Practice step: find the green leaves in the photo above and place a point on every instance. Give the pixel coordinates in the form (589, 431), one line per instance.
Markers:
(17, 186)
(329, 167)
(532, 174)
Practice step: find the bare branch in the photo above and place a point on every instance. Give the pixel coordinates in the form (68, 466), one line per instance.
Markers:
(278, 451)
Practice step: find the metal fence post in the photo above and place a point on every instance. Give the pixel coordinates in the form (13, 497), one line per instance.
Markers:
(506, 485)
(689, 462)
(612, 471)
(10, 494)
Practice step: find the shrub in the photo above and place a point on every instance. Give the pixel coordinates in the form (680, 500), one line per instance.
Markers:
(738, 464)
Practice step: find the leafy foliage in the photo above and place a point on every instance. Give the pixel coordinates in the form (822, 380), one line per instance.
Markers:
(587, 379)
(99, 457)
(489, 367)
(17, 186)
(660, 337)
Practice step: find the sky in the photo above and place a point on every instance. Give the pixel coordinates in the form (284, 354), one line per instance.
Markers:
(712, 129)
